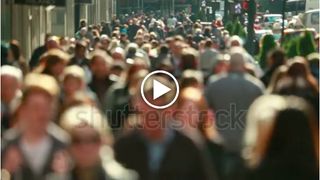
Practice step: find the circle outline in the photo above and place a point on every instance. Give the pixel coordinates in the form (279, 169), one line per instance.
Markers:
(159, 72)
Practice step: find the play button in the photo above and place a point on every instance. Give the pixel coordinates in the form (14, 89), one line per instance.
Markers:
(159, 89)
(162, 88)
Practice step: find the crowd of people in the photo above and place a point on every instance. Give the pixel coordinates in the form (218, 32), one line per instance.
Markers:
(74, 110)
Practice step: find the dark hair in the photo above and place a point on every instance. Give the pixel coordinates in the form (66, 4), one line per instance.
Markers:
(277, 57)
(208, 43)
(293, 142)
(189, 61)
(15, 48)
(164, 49)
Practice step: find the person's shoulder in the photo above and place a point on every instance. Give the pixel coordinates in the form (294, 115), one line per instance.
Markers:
(40, 49)
(181, 140)
(10, 136)
(217, 78)
(60, 137)
(130, 138)
(118, 86)
(254, 81)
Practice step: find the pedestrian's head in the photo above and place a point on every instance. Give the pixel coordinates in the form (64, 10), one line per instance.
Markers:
(73, 80)
(14, 52)
(100, 64)
(83, 31)
(191, 78)
(53, 62)
(278, 75)
(154, 121)
(81, 49)
(276, 57)
(11, 82)
(139, 39)
(208, 43)
(118, 54)
(163, 49)
(235, 41)
(52, 43)
(222, 64)
(298, 68)
(83, 23)
(189, 59)
(272, 122)
(38, 103)
(105, 41)
(89, 130)
(191, 108)
(237, 60)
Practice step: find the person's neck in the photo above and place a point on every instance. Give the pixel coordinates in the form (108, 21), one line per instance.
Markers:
(80, 57)
(100, 78)
(33, 137)
(90, 166)
(154, 135)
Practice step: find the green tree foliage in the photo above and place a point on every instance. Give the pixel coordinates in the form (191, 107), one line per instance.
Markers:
(291, 47)
(236, 28)
(306, 44)
(229, 28)
(268, 43)
(299, 46)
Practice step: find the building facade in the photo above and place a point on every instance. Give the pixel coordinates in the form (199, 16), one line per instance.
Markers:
(29, 21)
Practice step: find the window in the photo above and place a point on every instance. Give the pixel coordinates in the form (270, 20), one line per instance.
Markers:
(315, 18)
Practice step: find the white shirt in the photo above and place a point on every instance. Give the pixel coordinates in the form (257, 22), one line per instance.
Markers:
(36, 154)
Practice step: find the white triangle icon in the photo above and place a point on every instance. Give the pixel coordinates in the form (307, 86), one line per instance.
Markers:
(159, 89)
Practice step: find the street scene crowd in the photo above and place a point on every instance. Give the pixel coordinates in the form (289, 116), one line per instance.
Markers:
(74, 110)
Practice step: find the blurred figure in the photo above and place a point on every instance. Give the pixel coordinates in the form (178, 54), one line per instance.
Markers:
(105, 42)
(176, 52)
(124, 40)
(278, 74)
(118, 54)
(132, 29)
(80, 55)
(106, 28)
(222, 65)
(4, 53)
(74, 83)
(64, 43)
(100, 64)
(80, 58)
(276, 58)
(157, 151)
(281, 140)
(89, 149)
(11, 84)
(118, 98)
(82, 34)
(191, 78)
(189, 59)
(83, 23)
(299, 82)
(208, 58)
(198, 124)
(313, 60)
(50, 42)
(53, 63)
(236, 41)
(163, 54)
(230, 95)
(15, 57)
(35, 148)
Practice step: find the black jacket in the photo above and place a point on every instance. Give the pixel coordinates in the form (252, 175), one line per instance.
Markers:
(182, 159)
